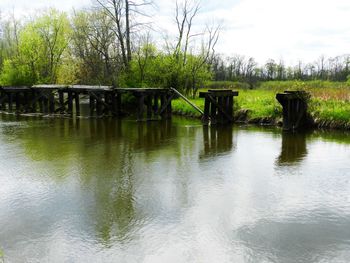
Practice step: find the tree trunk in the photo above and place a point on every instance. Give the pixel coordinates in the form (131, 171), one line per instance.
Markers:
(127, 24)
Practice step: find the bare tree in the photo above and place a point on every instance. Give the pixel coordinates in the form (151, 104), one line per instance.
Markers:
(320, 64)
(124, 13)
(191, 59)
(185, 12)
(206, 55)
(94, 43)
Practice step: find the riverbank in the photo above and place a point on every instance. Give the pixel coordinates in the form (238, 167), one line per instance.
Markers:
(329, 105)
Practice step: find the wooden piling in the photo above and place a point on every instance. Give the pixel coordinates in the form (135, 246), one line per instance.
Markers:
(10, 101)
(51, 99)
(119, 103)
(155, 104)
(294, 104)
(46, 105)
(70, 102)
(141, 102)
(218, 106)
(61, 101)
(99, 105)
(92, 105)
(77, 104)
(169, 108)
(149, 106)
(18, 102)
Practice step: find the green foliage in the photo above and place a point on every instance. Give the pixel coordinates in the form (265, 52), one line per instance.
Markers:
(41, 47)
(16, 73)
(68, 72)
(152, 68)
(85, 50)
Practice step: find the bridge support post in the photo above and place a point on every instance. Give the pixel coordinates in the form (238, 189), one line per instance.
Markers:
(294, 105)
(218, 106)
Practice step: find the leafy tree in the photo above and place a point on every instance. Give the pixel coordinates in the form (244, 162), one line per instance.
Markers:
(41, 47)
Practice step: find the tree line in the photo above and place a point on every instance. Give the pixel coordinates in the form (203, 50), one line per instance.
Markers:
(112, 43)
(240, 68)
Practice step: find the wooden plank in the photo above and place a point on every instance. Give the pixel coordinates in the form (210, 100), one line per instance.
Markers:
(15, 88)
(86, 88)
(148, 90)
(219, 93)
(49, 87)
(188, 101)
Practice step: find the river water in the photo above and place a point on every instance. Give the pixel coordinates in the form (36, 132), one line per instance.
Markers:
(93, 190)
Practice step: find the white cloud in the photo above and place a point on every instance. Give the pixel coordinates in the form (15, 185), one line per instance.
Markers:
(298, 29)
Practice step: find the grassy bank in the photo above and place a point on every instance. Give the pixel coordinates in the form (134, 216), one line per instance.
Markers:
(329, 105)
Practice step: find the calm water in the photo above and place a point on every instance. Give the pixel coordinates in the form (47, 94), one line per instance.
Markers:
(121, 191)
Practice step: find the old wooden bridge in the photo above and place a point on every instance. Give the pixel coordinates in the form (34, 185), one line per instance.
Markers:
(152, 103)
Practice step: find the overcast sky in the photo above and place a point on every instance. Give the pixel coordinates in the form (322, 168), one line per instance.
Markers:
(280, 29)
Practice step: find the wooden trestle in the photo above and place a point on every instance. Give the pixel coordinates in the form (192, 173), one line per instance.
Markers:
(295, 106)
(152, 103)
(218, 106)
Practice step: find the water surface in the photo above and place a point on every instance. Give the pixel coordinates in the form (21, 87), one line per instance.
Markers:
(93, 190)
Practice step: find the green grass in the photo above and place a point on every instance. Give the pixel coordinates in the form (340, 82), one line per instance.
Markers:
(330, 101)
(259, 103)
(183, 108)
